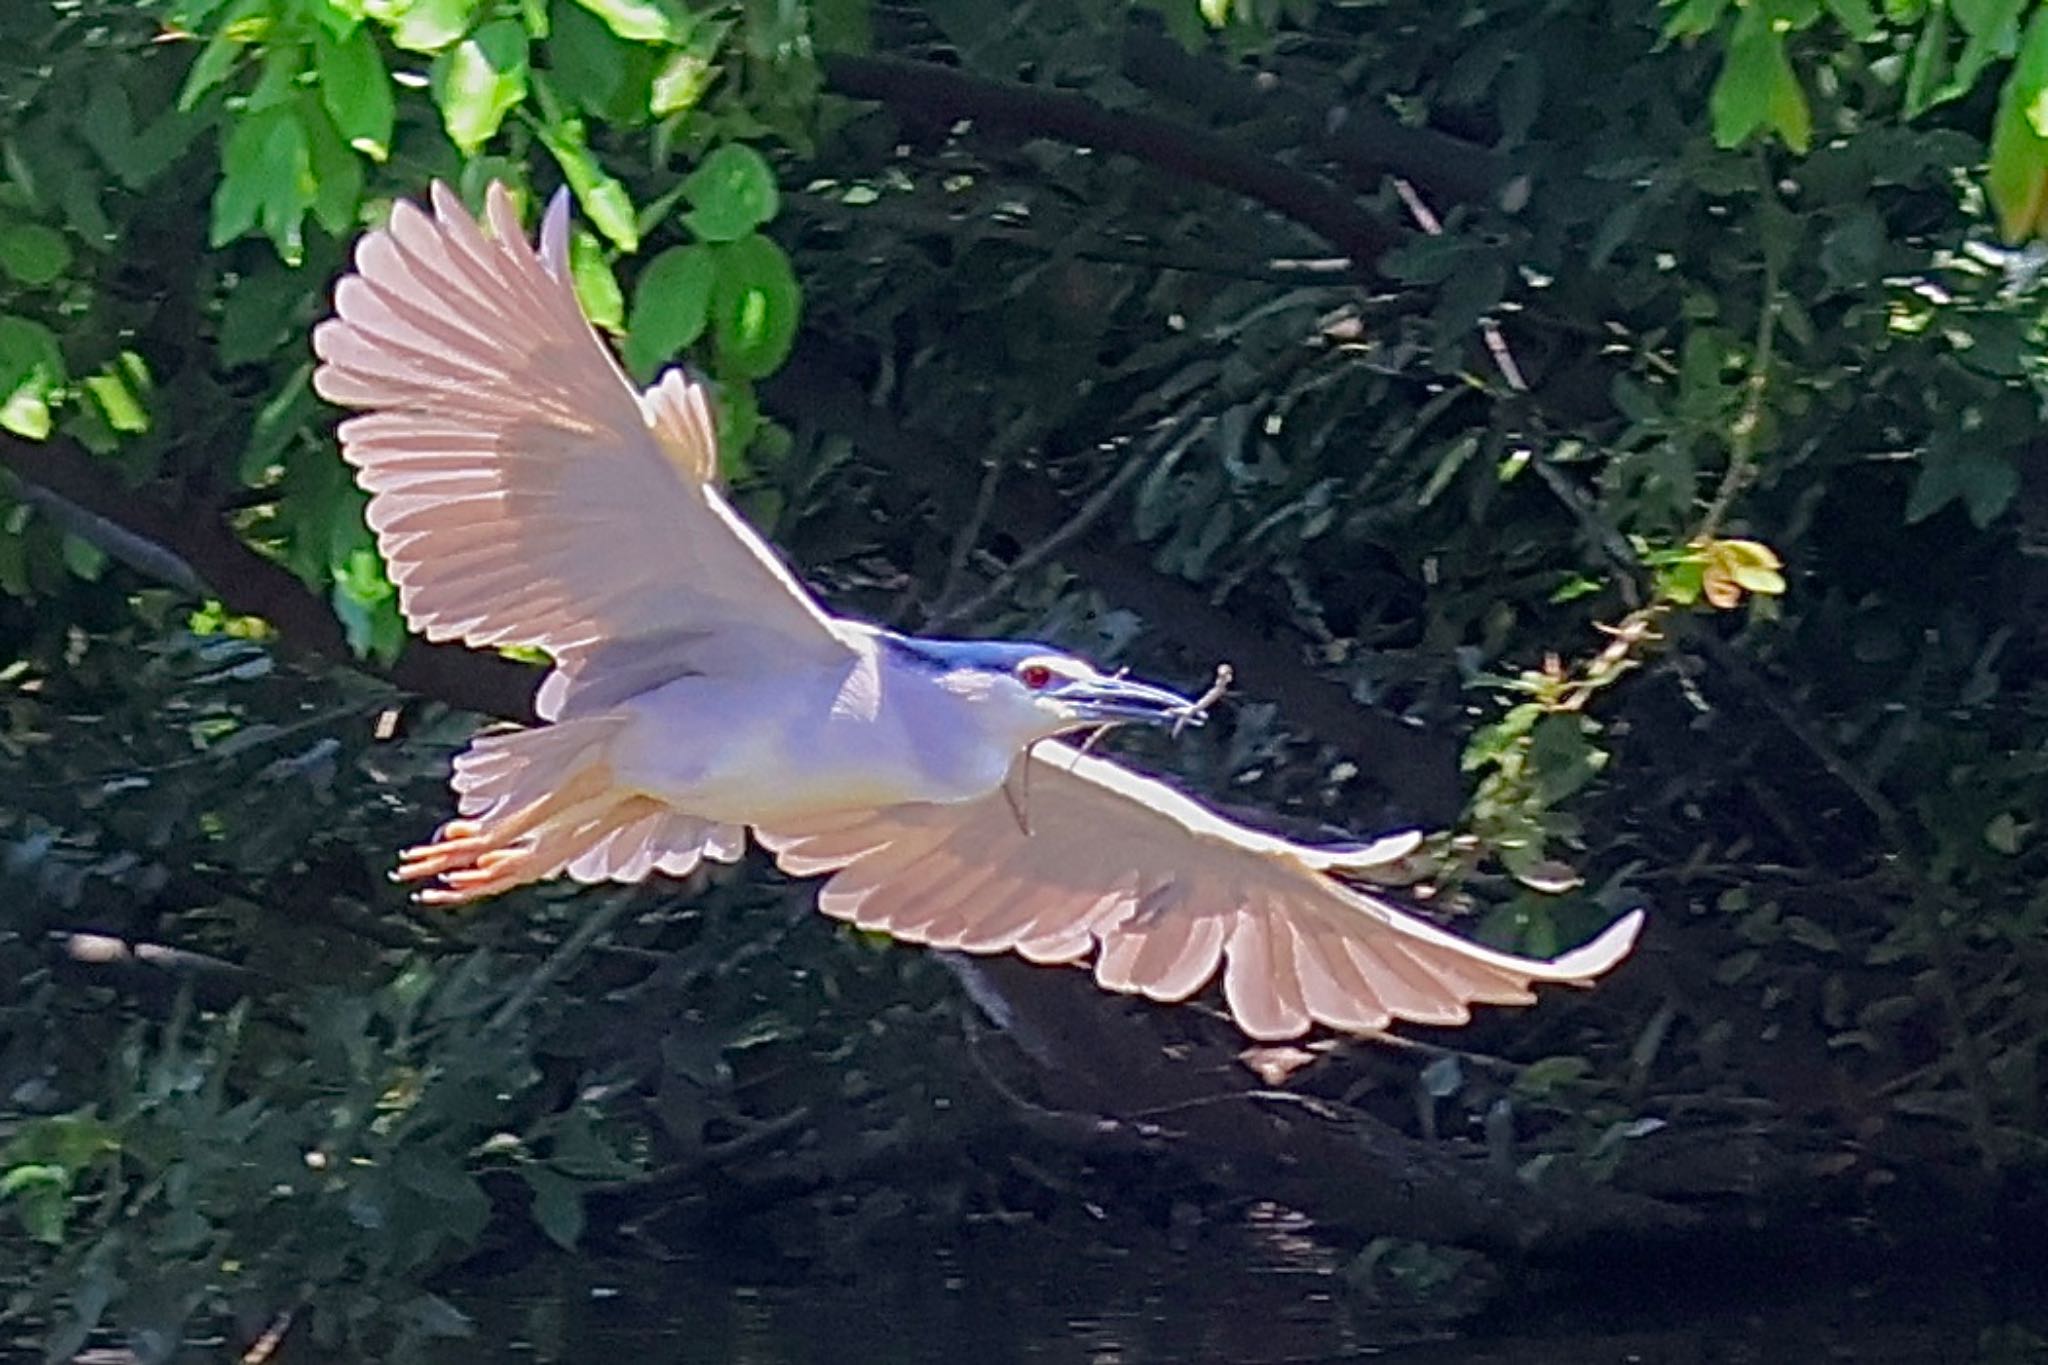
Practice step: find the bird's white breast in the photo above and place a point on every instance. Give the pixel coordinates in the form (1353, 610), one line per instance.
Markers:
(793, 744)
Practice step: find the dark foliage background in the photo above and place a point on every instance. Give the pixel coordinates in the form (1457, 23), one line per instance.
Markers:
(1603, 435)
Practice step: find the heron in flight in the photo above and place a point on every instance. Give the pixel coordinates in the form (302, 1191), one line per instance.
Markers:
(523, 492)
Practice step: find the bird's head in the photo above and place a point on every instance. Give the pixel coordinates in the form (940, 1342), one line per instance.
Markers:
(1034, 692)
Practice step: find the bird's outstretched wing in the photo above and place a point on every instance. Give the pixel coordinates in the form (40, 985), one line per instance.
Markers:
(522, 492)
(1162, 891)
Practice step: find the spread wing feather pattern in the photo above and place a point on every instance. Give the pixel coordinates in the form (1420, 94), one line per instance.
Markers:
(1163, 893)
(522, 492)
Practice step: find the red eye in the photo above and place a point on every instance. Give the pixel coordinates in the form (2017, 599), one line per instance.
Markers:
(1034, 676)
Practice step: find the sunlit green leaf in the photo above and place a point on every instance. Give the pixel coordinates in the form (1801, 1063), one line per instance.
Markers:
(39, 1194)
(755, 306)
(646, 21)
(1757, 89)
(2018, 176)
(479, 81)
(120, 394)
(671, 306)
(681, 82)
(242, 25)
(1857, 17)
(356, 89)
(731, 192)
(267, 180)
(597, 289)
(430, 25)
(31, 371)
(603, 198)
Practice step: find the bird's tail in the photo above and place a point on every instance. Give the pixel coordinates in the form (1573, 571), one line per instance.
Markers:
(537, 803)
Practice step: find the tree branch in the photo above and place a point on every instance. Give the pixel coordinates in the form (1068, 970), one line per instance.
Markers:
(252, 585)
(932, 93)
(1366, 143)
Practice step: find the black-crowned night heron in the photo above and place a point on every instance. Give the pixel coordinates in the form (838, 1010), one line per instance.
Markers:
(524, 493)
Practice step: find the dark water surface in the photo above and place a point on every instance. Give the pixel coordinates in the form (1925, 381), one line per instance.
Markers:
(1259, 1294)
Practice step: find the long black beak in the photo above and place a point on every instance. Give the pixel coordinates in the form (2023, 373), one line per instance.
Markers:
(1120, 701)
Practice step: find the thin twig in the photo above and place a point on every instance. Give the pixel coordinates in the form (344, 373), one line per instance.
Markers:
(910, 219)
(970, 534)
(319, 721)
(1489, 330)
(1199, 707)
(558, 962)
(1063, 535)
(1742, 436)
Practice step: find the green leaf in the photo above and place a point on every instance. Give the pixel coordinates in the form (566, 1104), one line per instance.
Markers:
(1984, 483)
(31, 370)
(603, 198)
(671, 306)
(1857, 17)
(640, 21)
(339, 17)
(586, 60)
(1989, 483)
(33, 254)
(2018, 176)
(279, 419)
(430, 25)
(1694, 18)
(557, 1205)
(135, 158)
(267, 180)
(119, 390)
(755, 307)
(356, 89)
(597, 289)
(242, 25)
(480, 81)
(1757, 89)
(1930, 55)
(842, 25)
(267, 302)
(680, 83)
(739, 421)
(731, 192)
(367, 606)
(337, 170)
(1560, 758)
(83, 558)
(580, 1150)
(40, 1195)
(1993, 27)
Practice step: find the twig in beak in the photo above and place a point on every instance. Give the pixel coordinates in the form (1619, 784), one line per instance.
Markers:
(1200, 705)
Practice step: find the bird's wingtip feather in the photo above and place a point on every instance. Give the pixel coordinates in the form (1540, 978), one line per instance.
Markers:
(1599, 956)
(554, 234)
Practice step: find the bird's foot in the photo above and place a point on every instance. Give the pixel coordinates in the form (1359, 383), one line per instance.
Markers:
(468, 862)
